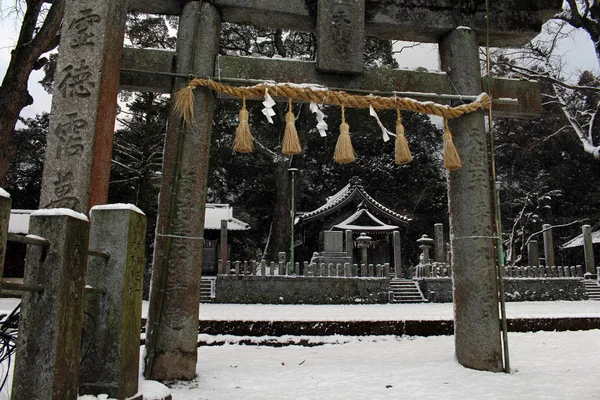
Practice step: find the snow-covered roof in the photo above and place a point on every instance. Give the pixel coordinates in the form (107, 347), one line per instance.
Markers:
(347, 195)
(375, 225)
(19, 219)
(217, 212)
(578, 240)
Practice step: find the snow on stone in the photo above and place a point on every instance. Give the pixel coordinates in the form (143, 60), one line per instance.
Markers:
(4, 193)
(60, 211)
(118, 206)
(35, 237)
(153, 390)
(18, 221)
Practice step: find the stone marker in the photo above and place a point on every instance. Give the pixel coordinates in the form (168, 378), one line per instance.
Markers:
(548, 244)
(476, 317)
(588, 249)
(438, 235)
(533, 253)
(340, 36)
(84, 105)
(333, 241)
(223, 241)
(49, 340)
(349, 244)
(397, 254)
(111, 365)
(5, 203)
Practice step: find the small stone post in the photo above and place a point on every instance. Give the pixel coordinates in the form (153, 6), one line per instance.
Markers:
(533, 253)
(5, 203)
(548, 244)
(475, 289)
(49, 340)
(397, 254)
(224, 240)
(112, 363)
(440, 254)
(588, 249)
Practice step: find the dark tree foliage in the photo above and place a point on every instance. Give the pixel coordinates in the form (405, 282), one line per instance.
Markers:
(24, 177)
(546, 179)
(258, 184)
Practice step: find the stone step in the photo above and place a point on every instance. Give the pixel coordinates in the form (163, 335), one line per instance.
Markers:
(592, 289)
(405, 291)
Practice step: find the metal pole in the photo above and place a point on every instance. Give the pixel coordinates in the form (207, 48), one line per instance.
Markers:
(293, 214)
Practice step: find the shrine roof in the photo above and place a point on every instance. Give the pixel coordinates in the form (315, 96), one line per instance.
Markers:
(375, 225)
(577, 241)
(217, 212)
(345, 196)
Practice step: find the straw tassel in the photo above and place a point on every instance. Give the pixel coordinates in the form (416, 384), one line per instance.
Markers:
(184, 104)
(242, 143)
(403, 155)
(451, 158)
(291, 144)
(344, 152)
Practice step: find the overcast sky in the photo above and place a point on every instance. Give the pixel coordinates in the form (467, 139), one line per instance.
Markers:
(578, 49)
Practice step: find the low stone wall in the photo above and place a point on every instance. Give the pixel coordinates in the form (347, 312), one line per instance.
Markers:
(301, 290)
(439, 290)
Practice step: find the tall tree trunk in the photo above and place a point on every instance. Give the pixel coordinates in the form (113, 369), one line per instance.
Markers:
(25, 57)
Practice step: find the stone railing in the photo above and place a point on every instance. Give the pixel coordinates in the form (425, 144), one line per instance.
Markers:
(573, 271)
(433, 270)
(262, 268)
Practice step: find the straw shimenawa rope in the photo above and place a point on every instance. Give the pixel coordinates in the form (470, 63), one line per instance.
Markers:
(184, 102)
(403, 155)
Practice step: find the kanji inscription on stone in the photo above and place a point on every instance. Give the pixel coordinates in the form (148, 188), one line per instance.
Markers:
(340, 36)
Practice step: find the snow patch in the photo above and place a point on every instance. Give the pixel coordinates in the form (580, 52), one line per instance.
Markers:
(153, 390)
(59, 212)
(118, 206)
(4, 193)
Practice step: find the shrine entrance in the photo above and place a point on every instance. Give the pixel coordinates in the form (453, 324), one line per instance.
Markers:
(92, 64)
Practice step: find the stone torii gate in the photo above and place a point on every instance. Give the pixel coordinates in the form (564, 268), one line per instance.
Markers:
(92, 65)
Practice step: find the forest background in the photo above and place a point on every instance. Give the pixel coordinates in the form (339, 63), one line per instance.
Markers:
(549, 167)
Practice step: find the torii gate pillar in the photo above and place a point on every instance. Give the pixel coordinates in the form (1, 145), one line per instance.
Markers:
(476, 322)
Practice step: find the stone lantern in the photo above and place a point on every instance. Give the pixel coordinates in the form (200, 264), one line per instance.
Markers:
(363, 242)
(425, 243)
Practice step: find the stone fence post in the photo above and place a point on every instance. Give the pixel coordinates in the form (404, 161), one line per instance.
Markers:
(49, 342)
(111, 365)
(588, 249)
(548, 245)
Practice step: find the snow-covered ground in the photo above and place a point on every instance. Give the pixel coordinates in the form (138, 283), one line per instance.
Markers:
(546, 365)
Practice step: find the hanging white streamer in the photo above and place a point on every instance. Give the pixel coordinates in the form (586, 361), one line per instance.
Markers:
(384, 132)
(321, 124)
(268, 103)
